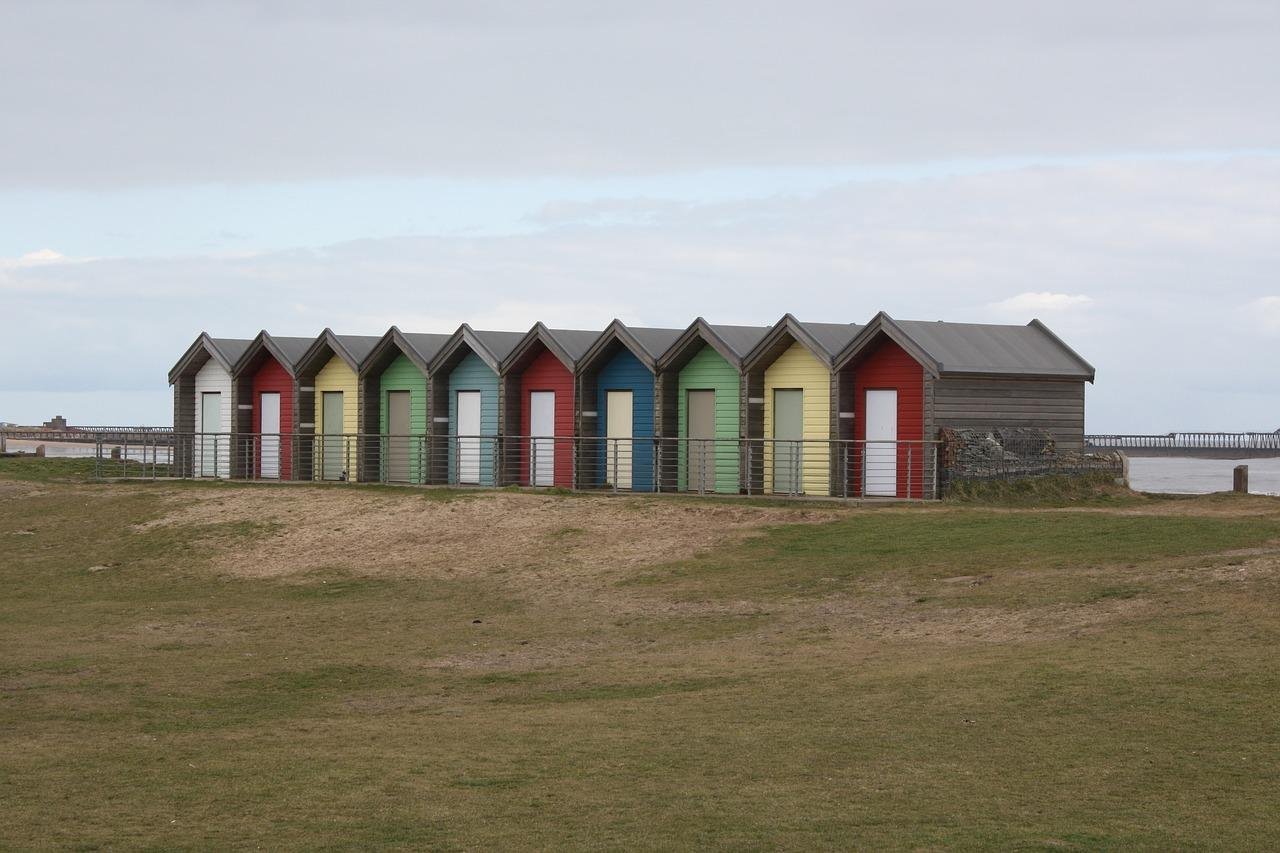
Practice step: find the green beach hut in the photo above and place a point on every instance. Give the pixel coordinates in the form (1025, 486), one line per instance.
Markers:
(702, 407)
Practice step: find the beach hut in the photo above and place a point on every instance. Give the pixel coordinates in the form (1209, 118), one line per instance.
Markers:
(792, 408)
(267, 405)
(464, 404)
(538, 405)
(203, 403)
(906, 379)
(702, 407)
(329, 394)
(394, 387)
(616, 385)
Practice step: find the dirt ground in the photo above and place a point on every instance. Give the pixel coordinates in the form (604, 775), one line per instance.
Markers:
(369, 533)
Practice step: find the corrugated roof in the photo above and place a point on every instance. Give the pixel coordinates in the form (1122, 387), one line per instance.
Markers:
(832, 337)
(575, 342)
(359, 345)
(499, 344)
(983, 348)
(740, 339)
(427, 344)
(656, 341)
(292, 348)
(231, 348)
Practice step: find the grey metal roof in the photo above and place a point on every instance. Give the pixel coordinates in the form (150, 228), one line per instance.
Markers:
(359, 345)
(575, 342)
(656, 341)
(292, 348)
(832, 337)
(231, 348)
(740, 339)
(983, 348)
(499, 344)
(427, 344)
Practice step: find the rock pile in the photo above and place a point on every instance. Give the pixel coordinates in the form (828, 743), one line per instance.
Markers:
(1013, 453)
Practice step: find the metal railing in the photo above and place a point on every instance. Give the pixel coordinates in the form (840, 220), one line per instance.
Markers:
(1187, 441)
(774, 467)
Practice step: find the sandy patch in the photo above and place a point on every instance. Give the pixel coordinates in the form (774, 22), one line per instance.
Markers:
(409, 535)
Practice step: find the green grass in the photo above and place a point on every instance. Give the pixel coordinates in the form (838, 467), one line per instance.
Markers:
(1098, 489)
(34, 469)
(964, 676)
(911, 547)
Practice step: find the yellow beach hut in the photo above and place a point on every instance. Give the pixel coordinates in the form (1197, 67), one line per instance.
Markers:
(329, 392)
(792, 407)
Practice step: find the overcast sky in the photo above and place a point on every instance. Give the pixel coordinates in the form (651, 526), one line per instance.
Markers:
(1110, 168)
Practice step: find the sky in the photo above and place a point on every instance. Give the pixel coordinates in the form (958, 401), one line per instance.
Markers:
(1111, 169)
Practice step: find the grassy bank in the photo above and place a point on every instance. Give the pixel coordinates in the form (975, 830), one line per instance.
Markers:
(953, 676)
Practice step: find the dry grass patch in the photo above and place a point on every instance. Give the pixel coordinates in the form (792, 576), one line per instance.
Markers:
(407, 534)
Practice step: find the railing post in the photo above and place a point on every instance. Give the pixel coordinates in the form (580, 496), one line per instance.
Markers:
(909, 472)
(844, 470)
(935, 473)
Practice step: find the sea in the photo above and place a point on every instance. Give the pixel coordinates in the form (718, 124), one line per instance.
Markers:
(1201, 476)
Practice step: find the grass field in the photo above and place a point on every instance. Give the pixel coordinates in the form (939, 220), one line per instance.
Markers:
(211, 665)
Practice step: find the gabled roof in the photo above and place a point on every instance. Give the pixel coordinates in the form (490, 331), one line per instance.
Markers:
(419, 348)
(492, 347)
(352, 349)
(567, 345)
(285, 350)
(823, 340)
(645, 343)
(731, 342)
(225, 351)
(976, 348)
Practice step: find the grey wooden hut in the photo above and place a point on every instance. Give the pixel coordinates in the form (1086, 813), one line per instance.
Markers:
(971, 375)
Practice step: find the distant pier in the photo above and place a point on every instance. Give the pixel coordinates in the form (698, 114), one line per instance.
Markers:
(1196, 445)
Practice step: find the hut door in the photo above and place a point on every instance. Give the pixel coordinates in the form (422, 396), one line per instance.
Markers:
(542, 428)
(788, 430)
(211, 444)
(617, 462)
(269, 429)
(398, 436)
(881, 474)
(468, 437)
(701, 406)
(332, 441)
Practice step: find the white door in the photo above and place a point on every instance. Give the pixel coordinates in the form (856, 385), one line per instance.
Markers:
(269, 408)
(881, 471)
(788, 444)
(617, 449)
(211, 444)
(542, 428)
(468, 437)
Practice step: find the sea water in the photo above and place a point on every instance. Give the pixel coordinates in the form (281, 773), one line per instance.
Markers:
(1201, 476)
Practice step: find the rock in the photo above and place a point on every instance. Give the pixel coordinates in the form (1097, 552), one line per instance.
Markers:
(99, 568)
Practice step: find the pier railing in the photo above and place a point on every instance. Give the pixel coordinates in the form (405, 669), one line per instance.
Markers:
(774, 467)
(1243, 441)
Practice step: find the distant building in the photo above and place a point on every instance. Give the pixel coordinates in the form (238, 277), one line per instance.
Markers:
(56, 422)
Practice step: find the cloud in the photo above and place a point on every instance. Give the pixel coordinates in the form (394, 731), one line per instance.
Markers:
(148, 92)
(1266, 313)
(33, 259)
(1035, 304)
(1004, 246)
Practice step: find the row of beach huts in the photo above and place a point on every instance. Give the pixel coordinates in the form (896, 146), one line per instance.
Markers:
(791, 408)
